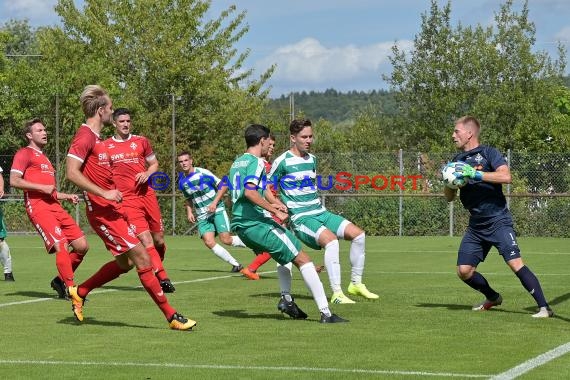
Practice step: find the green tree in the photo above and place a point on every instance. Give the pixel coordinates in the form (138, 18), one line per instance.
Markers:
(161, 58)
(489, 72)
(20, 89)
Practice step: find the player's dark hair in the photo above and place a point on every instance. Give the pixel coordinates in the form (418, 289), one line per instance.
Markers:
(184, 153)
(297, 125)
(28, 126)
(254, 133)
(121, 111)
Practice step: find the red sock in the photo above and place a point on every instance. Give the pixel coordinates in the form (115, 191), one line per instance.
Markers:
(106, 273)
(259, 260)
(63, 264)
(76, 259)
(152, 286)
(161, 249)
(156, 263)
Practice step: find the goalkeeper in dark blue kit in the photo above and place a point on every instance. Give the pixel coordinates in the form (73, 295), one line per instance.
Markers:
(484, 170)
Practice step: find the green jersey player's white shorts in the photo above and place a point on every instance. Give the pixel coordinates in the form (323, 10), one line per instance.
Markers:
(270, 237)
(217, 223)
(308, 228)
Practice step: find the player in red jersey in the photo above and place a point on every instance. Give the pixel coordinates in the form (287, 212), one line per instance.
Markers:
(33, 172)
(88, 167)
(133, 161)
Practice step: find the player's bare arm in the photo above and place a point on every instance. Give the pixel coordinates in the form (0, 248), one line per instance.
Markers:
(275, 201)
(142, 177)
(73, 198)
(17, 181)
(253, 196)
(501, 175)
(74, 174)
(219, 195)
(190, 214)
(450, 194)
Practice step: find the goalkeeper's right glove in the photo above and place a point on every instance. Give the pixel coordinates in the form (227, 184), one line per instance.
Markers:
(465, 170)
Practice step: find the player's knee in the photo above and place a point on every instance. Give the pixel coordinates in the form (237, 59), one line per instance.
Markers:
(81, 249)
(359, 237)
(465, 272)
(158, 242)
(301, 259)
(209, 242)
(226, 239)
(126, 266)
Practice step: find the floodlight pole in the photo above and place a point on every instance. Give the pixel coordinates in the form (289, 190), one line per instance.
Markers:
(291, 107)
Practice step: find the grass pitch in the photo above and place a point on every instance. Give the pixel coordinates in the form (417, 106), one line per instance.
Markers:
(421, 327)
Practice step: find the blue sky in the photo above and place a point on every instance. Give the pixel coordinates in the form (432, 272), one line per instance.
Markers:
(340, 44)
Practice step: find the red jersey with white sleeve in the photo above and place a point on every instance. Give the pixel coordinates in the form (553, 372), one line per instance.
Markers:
(33, 165)
(88, 148)
(105, 217)
(47, 215)
(128, 158)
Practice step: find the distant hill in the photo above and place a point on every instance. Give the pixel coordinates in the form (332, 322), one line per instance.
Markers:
(336, 106)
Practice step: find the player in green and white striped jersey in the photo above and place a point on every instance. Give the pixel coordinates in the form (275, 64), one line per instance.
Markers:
(295, 173)
(253, 225)
(199, 187)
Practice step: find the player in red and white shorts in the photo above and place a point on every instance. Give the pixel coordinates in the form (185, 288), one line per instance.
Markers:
(133, 162)
(33, 172)
(88, 167)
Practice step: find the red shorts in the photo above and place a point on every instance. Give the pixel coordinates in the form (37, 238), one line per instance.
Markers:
(53, 224)
(112, 227)
(143, 214)
(279, 221)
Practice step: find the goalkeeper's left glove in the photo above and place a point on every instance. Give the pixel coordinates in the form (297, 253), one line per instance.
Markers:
(468, 171)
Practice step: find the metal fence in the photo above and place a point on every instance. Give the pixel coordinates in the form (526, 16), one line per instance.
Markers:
(391, 193)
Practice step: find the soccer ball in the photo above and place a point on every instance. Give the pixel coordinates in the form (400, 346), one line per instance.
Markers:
(449, 177)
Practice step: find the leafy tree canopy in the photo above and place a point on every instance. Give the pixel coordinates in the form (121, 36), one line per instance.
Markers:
(488, 72)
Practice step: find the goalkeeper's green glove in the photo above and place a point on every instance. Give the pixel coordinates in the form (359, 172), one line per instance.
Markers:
(468, 171)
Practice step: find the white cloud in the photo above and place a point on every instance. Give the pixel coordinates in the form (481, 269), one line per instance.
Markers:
(308, 61)
(563, 35)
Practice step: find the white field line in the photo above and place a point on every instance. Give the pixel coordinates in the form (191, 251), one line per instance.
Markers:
(533, 363)
(238, 367)
(506, 273)
(116, 290)
(510, 374)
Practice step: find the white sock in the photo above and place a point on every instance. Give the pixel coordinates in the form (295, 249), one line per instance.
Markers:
(236, 242)
(223, 254)
(315, 286)
(357, 258)
(332, 263)
(5, 257)
(285, 275)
